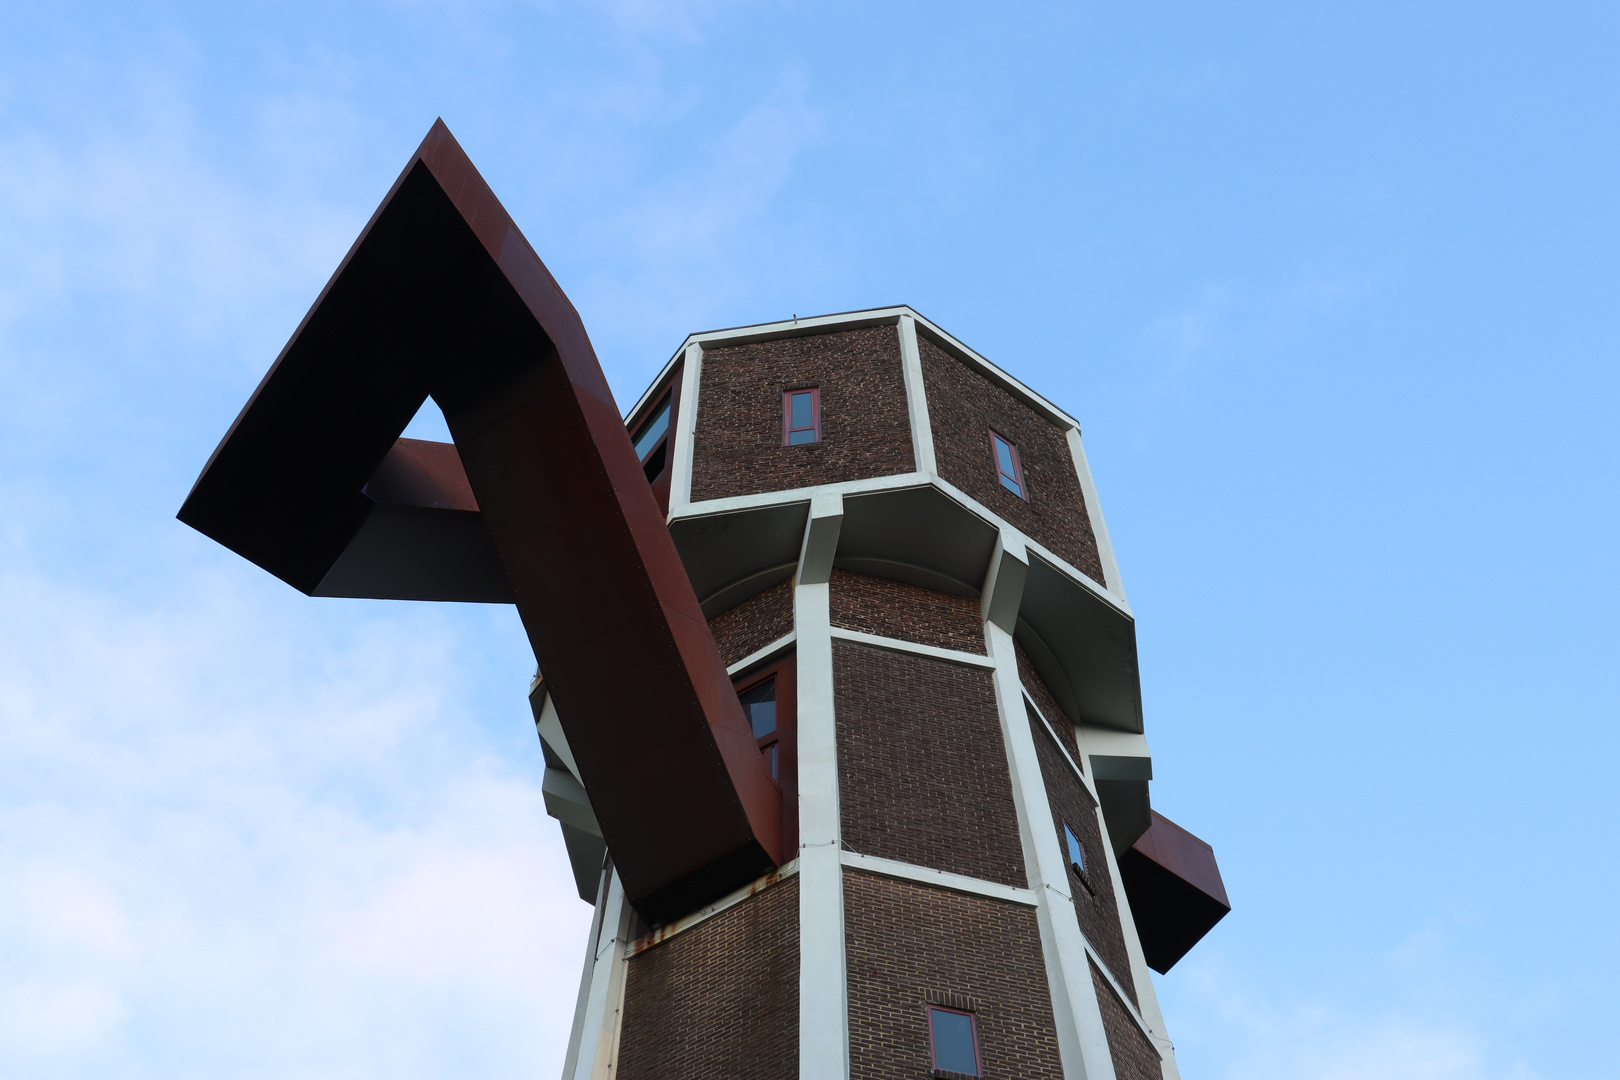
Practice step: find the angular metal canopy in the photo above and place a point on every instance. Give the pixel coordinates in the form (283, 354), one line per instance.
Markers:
(441, 295)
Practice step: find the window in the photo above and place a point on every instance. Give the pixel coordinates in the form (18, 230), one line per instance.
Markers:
(953, 1038)
(759, 705)
(801, 416)
(651, 446)
(1007, 467)
(1077, 856)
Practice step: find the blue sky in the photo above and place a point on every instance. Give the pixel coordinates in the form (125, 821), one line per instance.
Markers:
(1331, 288)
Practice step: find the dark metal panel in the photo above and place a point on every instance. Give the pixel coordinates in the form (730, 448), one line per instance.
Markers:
(1175, 891)
(441, 294)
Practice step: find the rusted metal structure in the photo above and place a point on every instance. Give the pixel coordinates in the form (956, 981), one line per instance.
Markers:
(735, 595)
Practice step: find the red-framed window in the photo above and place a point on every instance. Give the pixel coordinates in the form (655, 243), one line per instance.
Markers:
(769, 698)
(953, 1041)
(652, 439)
(1008, 468)
(801, 416)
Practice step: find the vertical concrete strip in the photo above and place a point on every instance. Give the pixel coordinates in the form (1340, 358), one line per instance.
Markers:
(680, 486)
(1082, 1039)
(1147, 999)
(823, 980)
(1099, 528)
(604, 1002)
(922, 434)
(576, 1033)
(820, 545)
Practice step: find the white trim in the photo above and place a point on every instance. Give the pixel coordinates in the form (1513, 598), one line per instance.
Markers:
(950, 656)
(734, 503)
(759, 656)
(682, 440)
(1146, 1011)
(730, 900)
(922, 431)
(604, 1006)
(1080, 774)
(944, 879)
(1099, 528)
(823, 975)
(1082, 1039)
(582, 999)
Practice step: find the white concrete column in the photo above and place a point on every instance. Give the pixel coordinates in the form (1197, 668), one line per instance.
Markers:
(1099, 527)
(1147, 999)
(1082, 1039)
(922, 434)
(593, 1056)
(823, 979)
(680, 480)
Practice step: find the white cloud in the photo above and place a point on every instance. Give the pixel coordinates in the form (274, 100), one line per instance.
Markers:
(242, 842)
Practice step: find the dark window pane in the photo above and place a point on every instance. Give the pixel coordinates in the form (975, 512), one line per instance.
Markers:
(760, 705)
(772, 752)
(953, 1042)
(652, 430)
(802, 436)
(1076, 855)
(800, 411)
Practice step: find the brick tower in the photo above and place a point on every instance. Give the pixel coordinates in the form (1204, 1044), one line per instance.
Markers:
(904, 565)
(838, 696)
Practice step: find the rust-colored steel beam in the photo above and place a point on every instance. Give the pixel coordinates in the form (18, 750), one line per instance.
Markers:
(442, 295)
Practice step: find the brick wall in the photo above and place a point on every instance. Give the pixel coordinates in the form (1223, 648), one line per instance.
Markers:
(1098, 914)
(865, 426)
(1037, 689)
(922, 772)
(962, 408)
(754, 623)
(1134, 1056)
(892, 609)
(719, 1001)
(909, 944)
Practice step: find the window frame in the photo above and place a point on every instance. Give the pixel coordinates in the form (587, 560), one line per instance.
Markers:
(1079, 868)
(997, 439)
(815, 415)
(786, 736)
(973, 1029)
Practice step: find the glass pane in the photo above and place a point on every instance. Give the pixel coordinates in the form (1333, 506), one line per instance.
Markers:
(760, 705)
(1004, 459)
(800, 412)
(802, 436)
(772, 752)
(652, 430)
(1076, 855)
(1011, 485)
(953, 1042)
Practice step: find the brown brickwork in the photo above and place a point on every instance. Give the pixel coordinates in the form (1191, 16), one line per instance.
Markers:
(892, 609)
(922, 774)
(910, 944)
(962, 408)
(754, 623)
(1134, 1056)
(1036, 687)
(719, 1001)
(1097, 912)
(865, 425)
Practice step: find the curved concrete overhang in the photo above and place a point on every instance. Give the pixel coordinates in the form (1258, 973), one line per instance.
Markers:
(923, 532)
